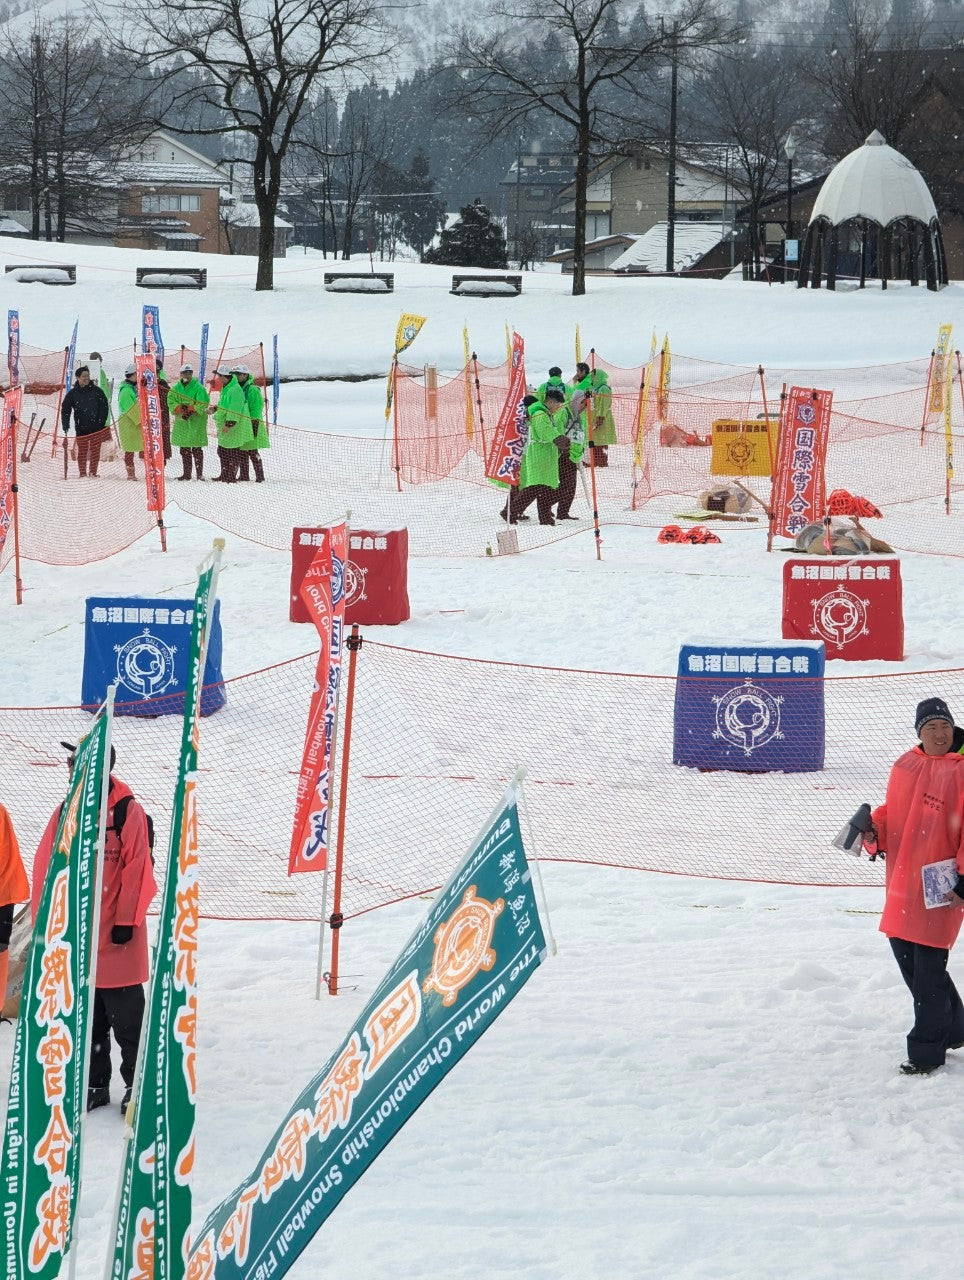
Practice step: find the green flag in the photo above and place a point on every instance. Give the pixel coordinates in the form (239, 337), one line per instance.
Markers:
(479, 944)
(153, 1219)
(46, 1102)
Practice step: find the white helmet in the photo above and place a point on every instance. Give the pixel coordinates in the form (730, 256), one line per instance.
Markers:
(130, 371)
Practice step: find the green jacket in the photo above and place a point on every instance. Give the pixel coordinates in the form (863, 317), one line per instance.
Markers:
(233, 408)
(259, 428)
(540, 461)
(553, 382)
(603, 429)
(188, 432)
(129, 418)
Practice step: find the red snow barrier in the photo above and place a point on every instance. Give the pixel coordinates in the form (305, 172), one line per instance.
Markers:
(877, 449)
(601, 787)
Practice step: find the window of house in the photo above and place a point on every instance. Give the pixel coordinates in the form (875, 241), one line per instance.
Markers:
(170, 204)
(537, 193)
(15, 202)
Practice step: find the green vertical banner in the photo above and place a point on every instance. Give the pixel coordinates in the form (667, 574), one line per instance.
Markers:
(47, 1098)
(472, 954)
(153, 1217)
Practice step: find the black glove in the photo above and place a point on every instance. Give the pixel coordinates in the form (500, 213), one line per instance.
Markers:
(562, 443)
(121, 934)
(959, 887)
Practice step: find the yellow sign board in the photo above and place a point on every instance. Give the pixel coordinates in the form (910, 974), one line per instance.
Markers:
(743, 448)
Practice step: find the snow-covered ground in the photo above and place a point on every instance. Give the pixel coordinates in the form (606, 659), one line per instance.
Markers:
(702, 1083)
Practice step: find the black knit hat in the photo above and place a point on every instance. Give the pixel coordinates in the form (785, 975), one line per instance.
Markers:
(932, 709)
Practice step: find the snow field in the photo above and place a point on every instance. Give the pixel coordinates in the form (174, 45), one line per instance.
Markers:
(702, 1083)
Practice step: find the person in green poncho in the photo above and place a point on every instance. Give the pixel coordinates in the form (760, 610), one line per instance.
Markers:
(187, 402)
(259, 428)
(234, 427)
(539, 472)
(555, 379)
(129, 420)
(602, 430)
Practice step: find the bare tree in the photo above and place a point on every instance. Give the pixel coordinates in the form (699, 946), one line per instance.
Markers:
(601, 54)
(748, 101)
(363, 147)
(260, 63)
(868, 73)
(67, 111)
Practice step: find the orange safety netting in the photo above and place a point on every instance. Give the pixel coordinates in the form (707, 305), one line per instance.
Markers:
(427, 473)
(601, 787)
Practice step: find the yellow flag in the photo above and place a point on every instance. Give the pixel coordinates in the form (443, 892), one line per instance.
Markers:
(662, 390)
(578, 347)
(469, 415)
(940, 371)
(644, 401)
(407, 331)
(508, 344)
(405, 334)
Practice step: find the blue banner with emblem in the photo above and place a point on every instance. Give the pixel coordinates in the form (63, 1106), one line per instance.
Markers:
(275, 381)
(13, 347)
(750, 707)
(145, 645)
(203, 362)
(151, 339)
(474, 951)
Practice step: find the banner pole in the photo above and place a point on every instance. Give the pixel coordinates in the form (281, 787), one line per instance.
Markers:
(398, 465)
(60, 401)
(766, 418)
(773, 479)
(478, 404)
(108, 709)
(336, 921)
(221, 356)
(592, 459)
(15, 490)
(927, 397)
(948, 431)
(320, 969)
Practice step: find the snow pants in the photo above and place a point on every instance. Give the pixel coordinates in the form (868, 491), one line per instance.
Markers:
(568, 471)
(521, 500)
(121, 1010)
(187, 457)
(938, 1012)
(88, 452)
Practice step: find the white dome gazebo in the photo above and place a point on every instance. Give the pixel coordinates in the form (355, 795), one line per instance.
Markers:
(875, 213)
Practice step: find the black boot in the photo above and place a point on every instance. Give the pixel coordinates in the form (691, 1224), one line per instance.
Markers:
(98, 1097)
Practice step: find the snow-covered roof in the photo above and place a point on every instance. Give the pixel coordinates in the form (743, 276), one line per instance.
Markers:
(171, 175)
(691, 241)
(874, 182)
(246, 215)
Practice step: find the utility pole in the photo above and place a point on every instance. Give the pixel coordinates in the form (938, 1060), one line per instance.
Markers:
(518, 194)
(671, 174)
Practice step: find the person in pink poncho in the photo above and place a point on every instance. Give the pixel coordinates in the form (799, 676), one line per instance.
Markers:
(122, 958)
(920, 826)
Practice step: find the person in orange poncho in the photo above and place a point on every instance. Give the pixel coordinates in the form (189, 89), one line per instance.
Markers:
(920, 825)
(13, 889)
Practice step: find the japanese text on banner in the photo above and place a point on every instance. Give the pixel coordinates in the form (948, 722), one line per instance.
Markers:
(799, 485)
(511, 431)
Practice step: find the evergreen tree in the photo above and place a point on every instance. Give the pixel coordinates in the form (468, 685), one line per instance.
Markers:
(423, 212)
(474, 240)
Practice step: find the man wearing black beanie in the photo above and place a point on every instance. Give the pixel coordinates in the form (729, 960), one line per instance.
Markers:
(921, 827)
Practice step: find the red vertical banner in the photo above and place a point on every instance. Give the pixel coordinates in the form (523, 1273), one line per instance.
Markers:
(8, 459)
(149, 400)
(323, 593)
(511, 431)
(799, 483)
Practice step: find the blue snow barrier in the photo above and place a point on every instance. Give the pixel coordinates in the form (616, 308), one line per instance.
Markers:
(750, 707)
(144, 644)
